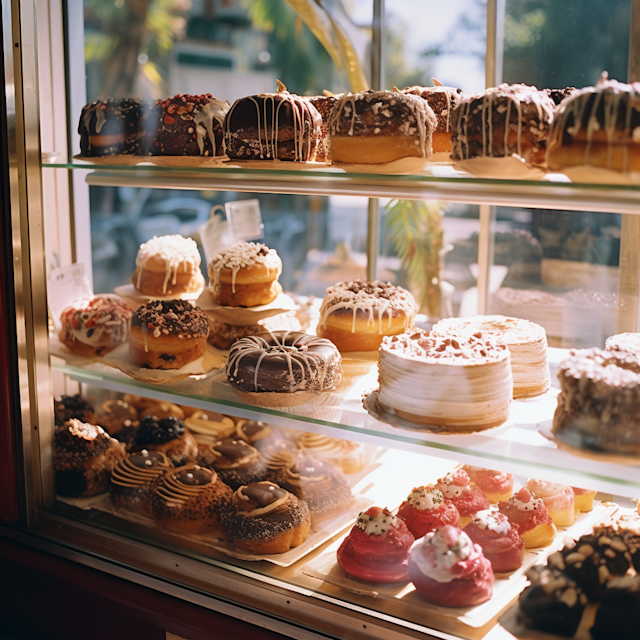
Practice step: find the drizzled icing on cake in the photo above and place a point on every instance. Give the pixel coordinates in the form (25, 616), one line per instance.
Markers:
(306, 123)
(378, 300)
(184, 483)
(176, 252)
(503, 99)
(140, 469)
(242, 255)
(213, 110)
(376, 524)
(450, 94)
(492, 520)
(266, 495)
(89, 319)
(425, 498)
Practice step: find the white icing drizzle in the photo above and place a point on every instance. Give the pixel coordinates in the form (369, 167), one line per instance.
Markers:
(176, 252)
(439, 88)
(492, 520)
(204, 117)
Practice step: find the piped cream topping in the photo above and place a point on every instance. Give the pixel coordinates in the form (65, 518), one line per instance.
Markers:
(425, 498)
(492, 520)
(450, 546)
(376, 525)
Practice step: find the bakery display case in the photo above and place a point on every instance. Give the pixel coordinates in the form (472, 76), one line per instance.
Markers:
(352, 363)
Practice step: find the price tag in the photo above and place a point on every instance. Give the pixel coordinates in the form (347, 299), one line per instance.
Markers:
(66, 285)
(215, 234)
(245, 219)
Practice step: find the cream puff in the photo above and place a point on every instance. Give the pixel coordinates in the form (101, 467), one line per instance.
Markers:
(168, 436)
(584, 499)
(209, 427)
(236, 462)
(558, 499)
(535, 525)
(468, 500)
(425, 510)
(114, 415)
(497, 486)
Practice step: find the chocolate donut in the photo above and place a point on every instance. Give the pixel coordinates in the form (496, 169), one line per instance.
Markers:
(236, 462)
(67, 407)
(272, 126)
(283, 363)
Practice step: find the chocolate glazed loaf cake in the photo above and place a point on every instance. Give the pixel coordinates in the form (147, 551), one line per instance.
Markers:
(272, 126)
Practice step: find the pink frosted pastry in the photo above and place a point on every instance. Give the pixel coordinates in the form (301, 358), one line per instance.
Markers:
(496, 485)
(468, 500)
(425, 510)
(501, 544)
(584, 499)
(559, 499)
(447, 569)
(535, 525)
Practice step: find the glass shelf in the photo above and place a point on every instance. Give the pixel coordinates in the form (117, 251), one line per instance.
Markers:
(519, 448)
(438, 182)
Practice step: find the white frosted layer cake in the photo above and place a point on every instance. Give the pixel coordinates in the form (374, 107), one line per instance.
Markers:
(526, 341)
(464, 383)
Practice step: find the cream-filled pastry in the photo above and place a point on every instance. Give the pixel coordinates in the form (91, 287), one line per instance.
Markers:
(559, 500)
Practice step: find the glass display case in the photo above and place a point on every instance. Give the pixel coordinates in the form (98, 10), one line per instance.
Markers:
(362, 451)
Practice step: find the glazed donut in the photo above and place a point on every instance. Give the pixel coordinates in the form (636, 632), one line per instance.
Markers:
(284, 368)
(67, 407)
(131, 482)
(163, 410)
(236, 462)
(272, 126)
(324, 105)
(83, 457)
(264, 519)
(502, 121)
(596, 126)
(442, 101)
(355, 316)
(376, 127)
(167, 436)
(168, 266)
(115, 415)
(168, 334)
(190, 500)
(95, 326)
(245, 275)
(209, 427)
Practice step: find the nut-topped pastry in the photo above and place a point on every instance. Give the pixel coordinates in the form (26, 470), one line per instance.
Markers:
(425, 510)
(442, 100)
(245, 275)
(272, 126)
(168, 266)
(355, 316)
(236, 462)
(169, 436)
(598, 402)
(131, 480)
(168, 334)
(502, 121)
(190, 500)
(618, 612)
(377, 127)
(627, 528)
(83, 458)
(527, 343)
(263, 518)
(463, 383)
(95, 326)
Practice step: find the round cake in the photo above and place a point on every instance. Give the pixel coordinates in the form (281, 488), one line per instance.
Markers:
(464, 383)
(526, 341)
(626, 342)
(599, 401)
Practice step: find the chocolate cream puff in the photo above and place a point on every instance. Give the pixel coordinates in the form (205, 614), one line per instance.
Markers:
(236, 462)
(169, 436)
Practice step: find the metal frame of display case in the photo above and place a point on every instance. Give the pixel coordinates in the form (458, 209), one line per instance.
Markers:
(183, 573)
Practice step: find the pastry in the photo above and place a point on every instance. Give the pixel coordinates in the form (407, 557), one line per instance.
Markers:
(131, 481)
(377, 548)
(208, 427)
(169, 436)
(272, 126)
(265, 438)
(223, 335)
(168, 266)
(163, 410)
(447, 569)
(442, 100)
(319, 484)
(190, 499)
(553, 602)
(592, 561)
(425, 510)
(139, 402)
(497, 486)
(626, 342)
(345, 455)
(462, 383)
(558, 95)
(468, 500)
(187, 126)
(626, 527)
(263, 518)
(355, 316)
(617, 615)
(499, 539)
(324, 105)
(109, 127)
(584, 499)
(284, 368)
(597, 405)
(236, 462)
(83, 457)
(245, 275)
(502, 121)
(558, 499)
(167, 334)
(535, 525)
(595, 126)
(115, 415)
(95, 326)
(67, 407)
(527, 343)
(376, 127)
